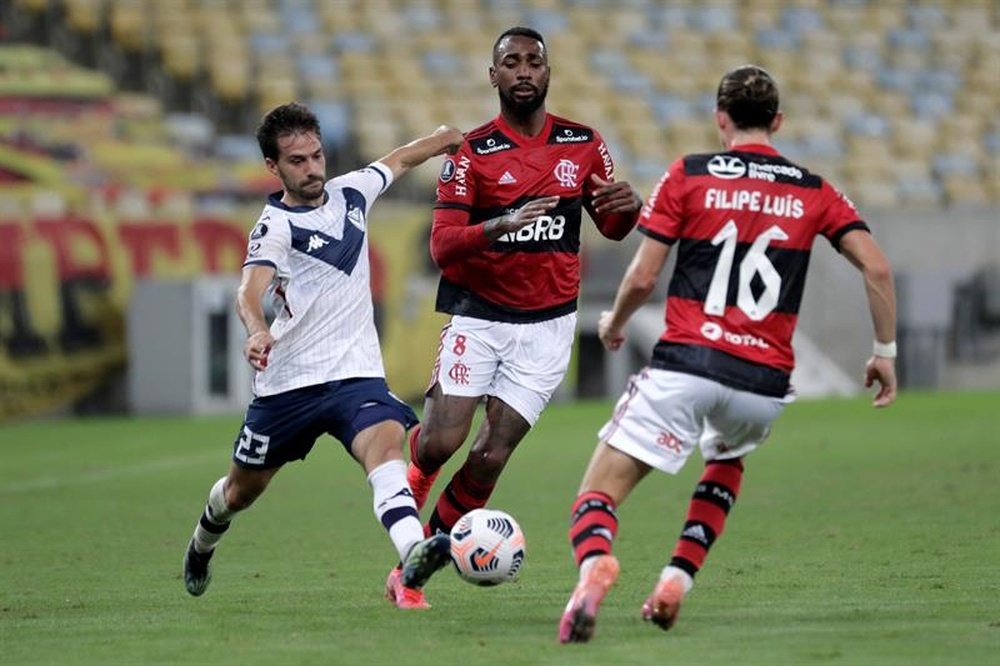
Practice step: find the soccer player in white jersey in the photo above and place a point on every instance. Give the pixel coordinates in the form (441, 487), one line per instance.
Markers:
(319, 365)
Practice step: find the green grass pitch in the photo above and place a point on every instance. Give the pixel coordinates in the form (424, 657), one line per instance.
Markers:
(860, 537)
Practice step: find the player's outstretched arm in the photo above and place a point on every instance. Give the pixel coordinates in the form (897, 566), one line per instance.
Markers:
(862, 251)
(444, 139)
(636, 286)
(250, 309)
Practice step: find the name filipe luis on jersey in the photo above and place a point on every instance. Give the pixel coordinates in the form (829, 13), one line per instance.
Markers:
(784, 205)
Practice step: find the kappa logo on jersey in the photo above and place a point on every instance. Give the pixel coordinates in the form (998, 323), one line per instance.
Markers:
(259, 231)
(447, 170)
(494, 143)
(566, 172)
(316, 242)
(506, 179)
(727, 167)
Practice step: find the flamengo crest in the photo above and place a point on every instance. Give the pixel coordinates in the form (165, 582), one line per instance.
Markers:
(565, 172)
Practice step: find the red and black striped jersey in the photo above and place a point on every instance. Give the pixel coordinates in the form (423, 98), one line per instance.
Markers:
(533, 274)
(744, 222)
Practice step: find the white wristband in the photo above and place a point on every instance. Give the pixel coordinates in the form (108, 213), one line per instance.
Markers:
(884, 349)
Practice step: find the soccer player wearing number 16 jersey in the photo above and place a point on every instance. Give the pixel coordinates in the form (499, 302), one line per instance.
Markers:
(743, 222)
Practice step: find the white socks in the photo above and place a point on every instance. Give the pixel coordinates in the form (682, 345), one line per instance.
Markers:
(673, 572)
(394, 505)
(214, 520)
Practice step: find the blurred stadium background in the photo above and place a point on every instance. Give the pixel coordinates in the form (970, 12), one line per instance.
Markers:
(129, 176)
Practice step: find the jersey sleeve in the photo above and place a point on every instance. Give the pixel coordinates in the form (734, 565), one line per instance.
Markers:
(662, 216)
(839, 216)
(611, 225)
(452, 237)
(371, 181)
(269, 244)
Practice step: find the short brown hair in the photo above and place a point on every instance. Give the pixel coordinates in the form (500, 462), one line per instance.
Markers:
(750, 96)
(292, 118)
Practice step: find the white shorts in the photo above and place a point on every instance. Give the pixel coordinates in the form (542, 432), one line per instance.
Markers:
(663, 414)
(522, 364)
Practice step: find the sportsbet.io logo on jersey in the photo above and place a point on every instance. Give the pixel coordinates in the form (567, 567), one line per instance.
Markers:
(491, 145)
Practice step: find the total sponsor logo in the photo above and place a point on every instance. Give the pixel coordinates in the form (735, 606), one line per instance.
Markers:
(712, 331)
(787, 205)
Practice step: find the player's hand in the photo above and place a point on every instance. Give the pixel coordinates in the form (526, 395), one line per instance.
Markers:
(612, 338)
(614, 197)
(882, 370)
(452, 138)
(257, 348)
(525, 215)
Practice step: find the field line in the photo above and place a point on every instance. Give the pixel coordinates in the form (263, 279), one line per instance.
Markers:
(108, 474)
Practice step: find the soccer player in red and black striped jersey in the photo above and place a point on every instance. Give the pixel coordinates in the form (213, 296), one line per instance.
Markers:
(743, 222)
(506, 236)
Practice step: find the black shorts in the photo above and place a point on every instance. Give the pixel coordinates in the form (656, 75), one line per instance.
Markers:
(283, 427)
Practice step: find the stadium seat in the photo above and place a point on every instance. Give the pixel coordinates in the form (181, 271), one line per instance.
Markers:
(919, 76)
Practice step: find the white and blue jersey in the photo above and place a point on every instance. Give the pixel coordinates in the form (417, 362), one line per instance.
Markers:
(323, 329)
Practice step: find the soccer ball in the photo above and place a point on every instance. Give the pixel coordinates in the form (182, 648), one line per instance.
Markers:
(487, 547)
